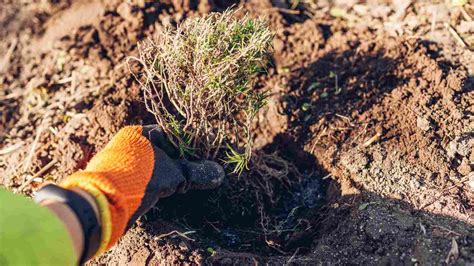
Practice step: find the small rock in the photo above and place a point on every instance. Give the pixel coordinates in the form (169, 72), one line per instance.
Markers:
(205, 6)
(183, 246)
(141, 3)
(423, 123)
(452, 148)
(464, 168)
(463, 146)
(471, 182)
(278, 45)
(125, 11)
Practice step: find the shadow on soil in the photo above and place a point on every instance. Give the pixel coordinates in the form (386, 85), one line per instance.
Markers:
(255, 213)
(337, 85)
(369, 229)
(294, 214)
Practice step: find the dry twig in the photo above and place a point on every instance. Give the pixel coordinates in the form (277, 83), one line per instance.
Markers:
(11, 148)
(28, 159)
(183, 235)
(373, 139)
(39, 173)
(456, 35)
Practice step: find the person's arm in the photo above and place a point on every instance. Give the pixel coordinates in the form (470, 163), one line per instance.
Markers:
(70, 220)
(33, 235)
(90, 210)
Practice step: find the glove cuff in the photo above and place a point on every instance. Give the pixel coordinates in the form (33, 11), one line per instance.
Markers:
(84, 213)
(104, 216)
(121, 173)
(110, 203)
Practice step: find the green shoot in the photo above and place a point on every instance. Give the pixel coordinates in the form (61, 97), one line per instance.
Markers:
(239, 160)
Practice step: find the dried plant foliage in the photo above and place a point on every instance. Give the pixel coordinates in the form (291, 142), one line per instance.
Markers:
(199, 84)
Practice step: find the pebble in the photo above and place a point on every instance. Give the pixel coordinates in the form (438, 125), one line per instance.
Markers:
(422, 123)
(125, 11)
(183, 246)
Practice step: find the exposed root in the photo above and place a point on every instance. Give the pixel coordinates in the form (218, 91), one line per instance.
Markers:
(267, 168)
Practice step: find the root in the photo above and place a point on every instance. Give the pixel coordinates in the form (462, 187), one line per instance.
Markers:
(267, 168)
(174, 232)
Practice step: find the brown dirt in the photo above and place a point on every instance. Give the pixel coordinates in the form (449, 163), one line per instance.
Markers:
(368, 131)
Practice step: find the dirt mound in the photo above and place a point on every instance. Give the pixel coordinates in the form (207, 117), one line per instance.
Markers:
(367, 135)
(386, 112)
(374, 111)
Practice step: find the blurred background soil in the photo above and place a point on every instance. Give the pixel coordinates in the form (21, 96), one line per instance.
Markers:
(368, 128)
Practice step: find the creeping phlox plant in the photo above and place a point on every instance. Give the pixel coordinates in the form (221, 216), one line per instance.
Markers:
(199, 84)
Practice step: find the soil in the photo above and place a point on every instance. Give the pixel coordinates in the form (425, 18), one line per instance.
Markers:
(368, 131)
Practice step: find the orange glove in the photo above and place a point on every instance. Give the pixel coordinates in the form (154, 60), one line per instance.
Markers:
(131, 173)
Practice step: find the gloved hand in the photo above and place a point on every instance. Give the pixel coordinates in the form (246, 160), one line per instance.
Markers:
(132, 172)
